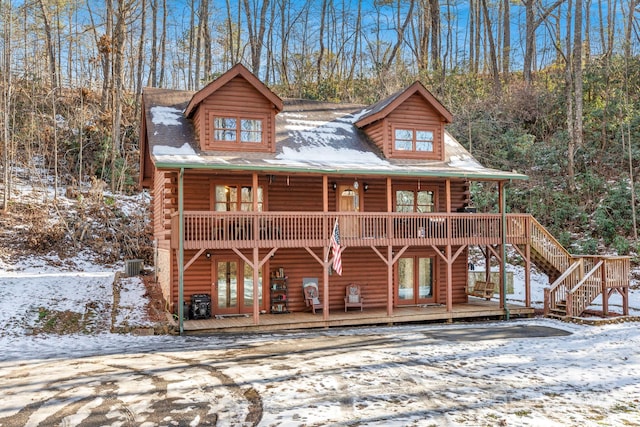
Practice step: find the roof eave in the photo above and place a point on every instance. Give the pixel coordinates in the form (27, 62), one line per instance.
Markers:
(488, 176)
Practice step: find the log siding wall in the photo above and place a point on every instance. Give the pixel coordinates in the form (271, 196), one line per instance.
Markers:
(414, 113)
(236, 98)
(293, 193)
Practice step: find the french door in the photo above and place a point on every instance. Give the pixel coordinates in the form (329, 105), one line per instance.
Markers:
(233, 286)
(415, 280)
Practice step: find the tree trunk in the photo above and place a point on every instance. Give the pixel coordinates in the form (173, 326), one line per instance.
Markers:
(140, 64)
(531, 24)
(506, 38)
(577, 73)
(7, 18)
(153, 62)
(400, 35)
(321, 40)
(571, 144)
(256, 31)
(163, 43)
(434, 12)
(628, 30)
(49, 43)
(193, 46)
(492, 49)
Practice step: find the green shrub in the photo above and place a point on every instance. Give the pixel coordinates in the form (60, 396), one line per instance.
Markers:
(621, 245)
(589, 246)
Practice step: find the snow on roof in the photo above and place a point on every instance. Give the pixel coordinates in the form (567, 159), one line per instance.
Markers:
(167, 116)
(311, 136)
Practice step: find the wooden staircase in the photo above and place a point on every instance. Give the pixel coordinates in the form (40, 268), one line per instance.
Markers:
(576, 280)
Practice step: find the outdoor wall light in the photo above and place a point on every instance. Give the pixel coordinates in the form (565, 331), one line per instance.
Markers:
(208, 255)
(334, 185)
(365, 187)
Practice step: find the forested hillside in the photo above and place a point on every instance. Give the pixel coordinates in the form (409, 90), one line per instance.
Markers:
(548, 88)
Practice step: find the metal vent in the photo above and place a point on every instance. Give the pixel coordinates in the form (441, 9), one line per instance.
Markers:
(133, 267)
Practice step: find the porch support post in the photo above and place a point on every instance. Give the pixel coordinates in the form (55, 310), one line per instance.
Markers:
(390, 281)
(256, 256)
(503, 249)
(390, 259)
(256, 284)
(526, 256)
(325, 264)
(449, 259)
(181, 251)
(605, 292)
(325, 287)
(527, 276)
(325, 193)
(447, 191)
(256, 264)
(449, 279)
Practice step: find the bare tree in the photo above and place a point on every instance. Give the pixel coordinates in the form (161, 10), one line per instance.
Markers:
(506, 38)
(492, 49)
(256, 27)
(53, 73)
(7, 19)
(532, 21)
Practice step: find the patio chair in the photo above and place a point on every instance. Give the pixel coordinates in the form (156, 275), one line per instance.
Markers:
(353, 297)
(311, 294)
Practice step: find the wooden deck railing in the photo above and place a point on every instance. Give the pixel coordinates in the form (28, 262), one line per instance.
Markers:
(217, 230)
(548, 247)
(587, 278)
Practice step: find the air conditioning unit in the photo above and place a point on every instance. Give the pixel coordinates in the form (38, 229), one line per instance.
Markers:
(133, 267)
(200, 306)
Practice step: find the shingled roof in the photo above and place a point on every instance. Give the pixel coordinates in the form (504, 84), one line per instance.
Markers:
(311, 137)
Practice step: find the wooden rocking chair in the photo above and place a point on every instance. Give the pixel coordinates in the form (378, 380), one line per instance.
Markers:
(311, 294)
(353, 297)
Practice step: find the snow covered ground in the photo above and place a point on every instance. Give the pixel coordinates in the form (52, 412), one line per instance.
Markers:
(376, 376)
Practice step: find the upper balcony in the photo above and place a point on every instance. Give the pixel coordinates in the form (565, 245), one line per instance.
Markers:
(225, 230)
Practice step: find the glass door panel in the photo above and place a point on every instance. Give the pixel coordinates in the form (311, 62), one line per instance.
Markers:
(248, 288)
(227, 282)
(405, 281)
(415, 281)
(425, 280)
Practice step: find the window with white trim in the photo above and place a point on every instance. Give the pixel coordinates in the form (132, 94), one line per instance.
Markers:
(419, 140)
(236, 129)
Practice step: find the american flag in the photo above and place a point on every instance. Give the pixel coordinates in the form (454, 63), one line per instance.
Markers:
(335, 247)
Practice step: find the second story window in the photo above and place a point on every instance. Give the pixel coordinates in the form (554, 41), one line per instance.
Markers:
(413, 140)
(421, 201)
(236, 198)
(237, 130)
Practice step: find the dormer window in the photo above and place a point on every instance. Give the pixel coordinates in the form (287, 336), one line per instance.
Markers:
(235, 129)
(419, 140)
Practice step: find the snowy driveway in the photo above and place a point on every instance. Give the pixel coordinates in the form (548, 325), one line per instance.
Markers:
(405, 375)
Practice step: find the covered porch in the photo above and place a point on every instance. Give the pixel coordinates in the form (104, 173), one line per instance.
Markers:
(475, 309)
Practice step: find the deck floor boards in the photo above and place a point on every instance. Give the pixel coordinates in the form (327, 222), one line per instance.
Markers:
(375, 316)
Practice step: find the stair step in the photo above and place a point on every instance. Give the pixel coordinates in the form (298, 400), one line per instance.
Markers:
(559, 316)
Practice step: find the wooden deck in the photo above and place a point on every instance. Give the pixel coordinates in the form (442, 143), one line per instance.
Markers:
(474, 309)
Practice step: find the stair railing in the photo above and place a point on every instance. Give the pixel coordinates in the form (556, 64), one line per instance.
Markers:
(585, 291)
(547, 246)
(557, 293)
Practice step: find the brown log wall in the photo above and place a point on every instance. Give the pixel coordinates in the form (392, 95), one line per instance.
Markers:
(304, 193)
(238, 97)
(416, 110)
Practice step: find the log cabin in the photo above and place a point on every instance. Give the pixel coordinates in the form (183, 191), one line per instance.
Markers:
(254, 196)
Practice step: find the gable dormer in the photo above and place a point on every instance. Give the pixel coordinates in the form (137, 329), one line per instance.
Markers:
(235, 112)
(408, 125)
